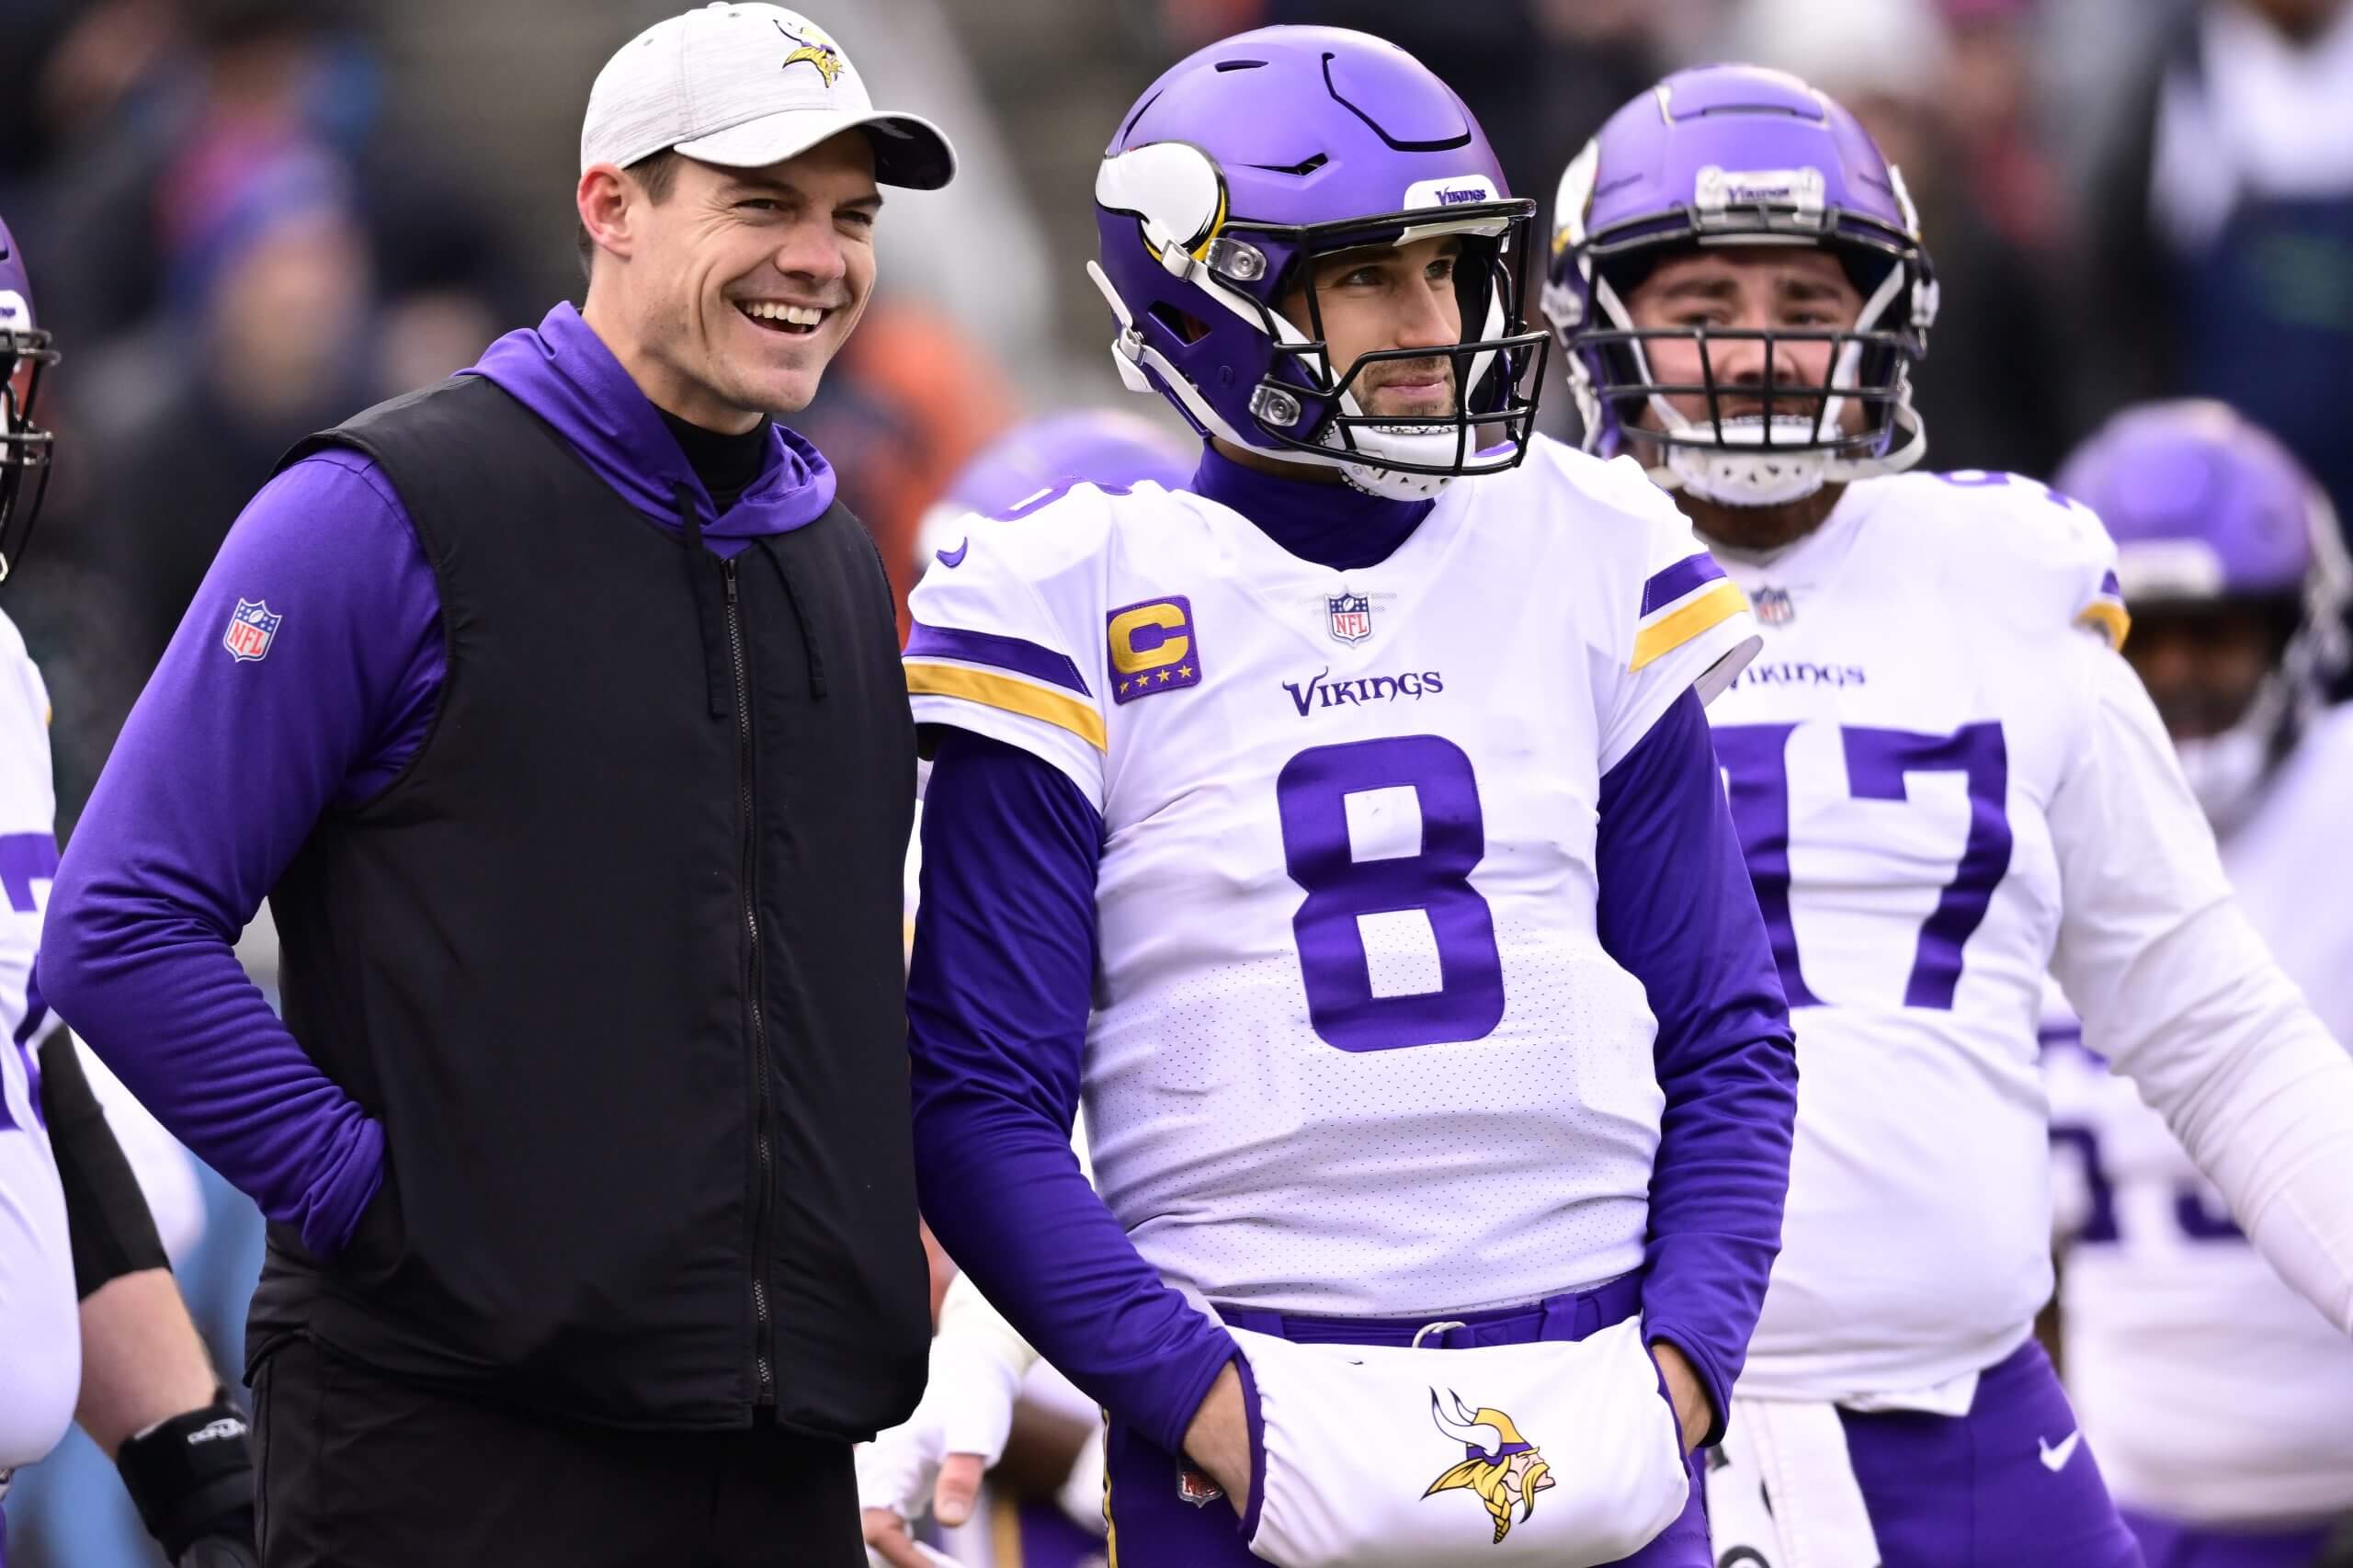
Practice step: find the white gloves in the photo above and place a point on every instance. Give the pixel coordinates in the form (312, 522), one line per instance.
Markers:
(977, 1364)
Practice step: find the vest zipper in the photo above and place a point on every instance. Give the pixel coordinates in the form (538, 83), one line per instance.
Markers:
(762, 1331)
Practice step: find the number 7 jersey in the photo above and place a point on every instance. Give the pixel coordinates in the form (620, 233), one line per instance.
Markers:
(1907, 760)
(1355, 1048)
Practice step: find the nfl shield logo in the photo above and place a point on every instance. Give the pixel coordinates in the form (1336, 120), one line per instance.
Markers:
(251, 627)
(1773, 606)
(1350, 616)
(1195, 1487)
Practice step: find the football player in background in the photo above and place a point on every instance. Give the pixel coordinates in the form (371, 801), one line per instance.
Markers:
(1016, 471)
(1947, 780)
(1374, 817)
(92, 1328)
(2218, 1400)
(981, 1367)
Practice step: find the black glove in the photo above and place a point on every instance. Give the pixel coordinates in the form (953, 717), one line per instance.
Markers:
(192, 1478)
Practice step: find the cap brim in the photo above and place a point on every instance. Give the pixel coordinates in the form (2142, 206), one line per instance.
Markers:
(909, 151)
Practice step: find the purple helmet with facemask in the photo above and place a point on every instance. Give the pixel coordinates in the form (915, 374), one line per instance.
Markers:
(1740, 156)
(1226, 182)
(25, 447)
(1104, 447)
(2210, 513)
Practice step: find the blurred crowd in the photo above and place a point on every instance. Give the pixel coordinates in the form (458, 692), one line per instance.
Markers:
(247, 219)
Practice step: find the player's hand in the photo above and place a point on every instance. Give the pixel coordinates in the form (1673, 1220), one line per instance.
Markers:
(1219, 1438)
(935, 1457)
(891, 1544)
(1693, 1414)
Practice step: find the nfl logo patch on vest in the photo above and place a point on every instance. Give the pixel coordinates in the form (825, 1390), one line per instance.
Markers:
(1773, 607)
(1350, 616)
(251, 628)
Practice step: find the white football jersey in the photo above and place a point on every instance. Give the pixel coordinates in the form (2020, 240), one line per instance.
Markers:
(2211, 1392)
(1356, 1048)
(40, 1335)
(1895, 755)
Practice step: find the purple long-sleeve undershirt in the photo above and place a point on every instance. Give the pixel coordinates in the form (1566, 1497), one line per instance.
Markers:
(1677, 911)
(137, 952)
(1010, 854)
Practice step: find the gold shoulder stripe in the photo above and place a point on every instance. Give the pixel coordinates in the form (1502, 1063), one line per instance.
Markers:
(1012, 695)
(1721, 601)
(2108, 618)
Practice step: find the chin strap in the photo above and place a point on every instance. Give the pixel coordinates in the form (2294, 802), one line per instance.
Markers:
(1127, 347)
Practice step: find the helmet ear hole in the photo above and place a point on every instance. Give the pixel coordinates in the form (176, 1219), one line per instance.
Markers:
(1187, 328)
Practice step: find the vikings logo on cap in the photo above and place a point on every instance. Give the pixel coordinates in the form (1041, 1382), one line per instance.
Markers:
(1502, 1468)
(252, 625)
(813, 51)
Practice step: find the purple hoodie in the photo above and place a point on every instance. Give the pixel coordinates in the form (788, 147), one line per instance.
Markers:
(304, 676)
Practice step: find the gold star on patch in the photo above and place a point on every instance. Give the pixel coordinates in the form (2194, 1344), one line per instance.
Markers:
(1185, 671)
(1164, 677)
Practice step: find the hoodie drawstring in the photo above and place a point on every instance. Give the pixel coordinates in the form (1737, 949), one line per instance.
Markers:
(804, 612)
(710, 615)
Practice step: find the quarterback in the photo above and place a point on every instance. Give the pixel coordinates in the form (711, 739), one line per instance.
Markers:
(1946, 782)
(1341, 828)
(2217, 1398)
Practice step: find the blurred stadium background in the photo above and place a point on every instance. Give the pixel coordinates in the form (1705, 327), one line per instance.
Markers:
(245, 218)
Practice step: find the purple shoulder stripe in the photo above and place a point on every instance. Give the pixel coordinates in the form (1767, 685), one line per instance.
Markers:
(991, 648)
(1665, 588)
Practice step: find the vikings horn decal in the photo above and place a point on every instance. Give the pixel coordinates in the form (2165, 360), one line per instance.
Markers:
(813, 51)
(1502, 1468)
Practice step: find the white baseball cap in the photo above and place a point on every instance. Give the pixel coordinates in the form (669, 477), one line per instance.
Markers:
(744, 86)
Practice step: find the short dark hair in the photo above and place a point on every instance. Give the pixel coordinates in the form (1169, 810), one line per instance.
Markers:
(656, 173)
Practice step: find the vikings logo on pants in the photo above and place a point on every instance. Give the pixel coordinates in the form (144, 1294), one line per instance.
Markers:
(1501, 1466)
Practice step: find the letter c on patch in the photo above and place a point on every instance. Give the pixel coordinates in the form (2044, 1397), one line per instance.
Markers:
(1149, 636)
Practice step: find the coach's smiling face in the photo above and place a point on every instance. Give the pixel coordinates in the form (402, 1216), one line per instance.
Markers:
(726, 295)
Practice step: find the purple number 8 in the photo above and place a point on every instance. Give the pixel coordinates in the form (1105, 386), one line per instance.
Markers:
(1753, 757)
(1310, 796)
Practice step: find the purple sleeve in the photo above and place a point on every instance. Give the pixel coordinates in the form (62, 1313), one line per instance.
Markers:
(997, 999)
(225, 765)
(1678, 913)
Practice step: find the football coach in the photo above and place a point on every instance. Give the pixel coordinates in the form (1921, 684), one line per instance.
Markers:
(557, 711)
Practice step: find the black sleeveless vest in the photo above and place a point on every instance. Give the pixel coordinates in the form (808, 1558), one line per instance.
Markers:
(617, 962)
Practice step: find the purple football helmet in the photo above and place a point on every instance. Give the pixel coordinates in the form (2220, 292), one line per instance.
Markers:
(1239, 168)
(1029, 460)
(1740, 156)
(25, 447)
(2210, 512)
